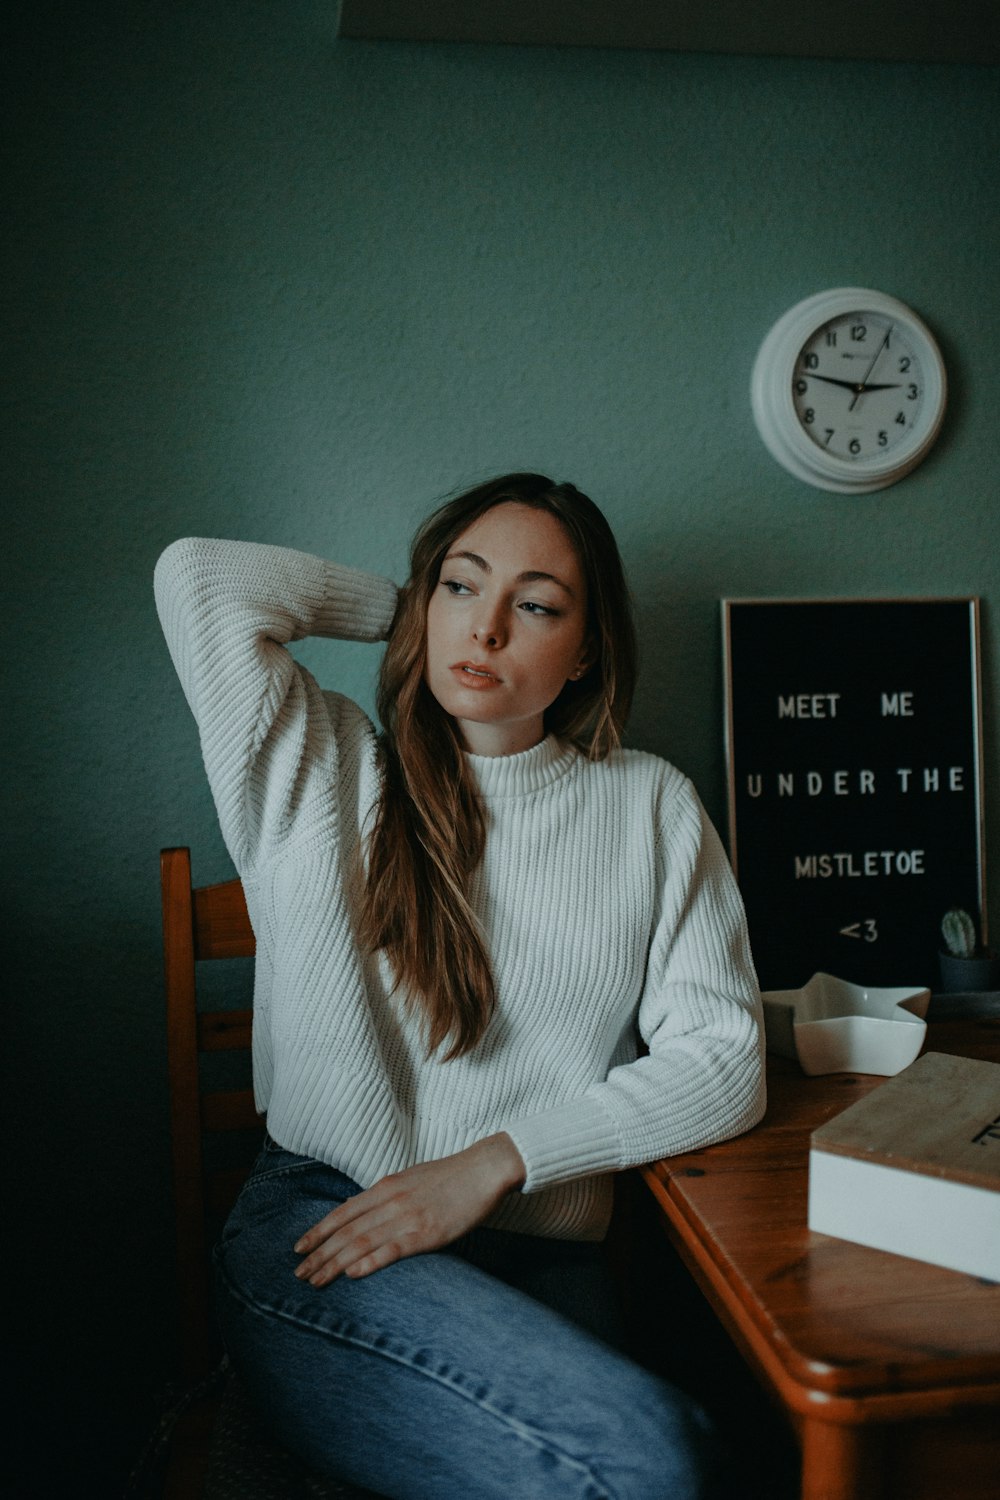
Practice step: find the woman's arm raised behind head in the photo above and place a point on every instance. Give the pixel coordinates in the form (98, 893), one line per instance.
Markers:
(228, 609)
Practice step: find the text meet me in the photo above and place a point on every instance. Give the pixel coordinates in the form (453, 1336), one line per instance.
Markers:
(847, 783)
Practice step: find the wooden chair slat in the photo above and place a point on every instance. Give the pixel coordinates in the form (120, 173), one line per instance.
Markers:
(221, 922)
(232, 1109)
(224, 1030)
(185, 1108)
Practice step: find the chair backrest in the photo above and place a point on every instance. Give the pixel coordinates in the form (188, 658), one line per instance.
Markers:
(205, 923)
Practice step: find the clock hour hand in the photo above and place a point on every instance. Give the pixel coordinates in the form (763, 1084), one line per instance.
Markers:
(849, 385)
(857, 386)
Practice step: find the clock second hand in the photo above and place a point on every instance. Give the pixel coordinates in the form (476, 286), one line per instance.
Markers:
(860, 390)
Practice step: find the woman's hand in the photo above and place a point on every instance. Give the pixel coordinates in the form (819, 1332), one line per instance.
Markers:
(423, 1208)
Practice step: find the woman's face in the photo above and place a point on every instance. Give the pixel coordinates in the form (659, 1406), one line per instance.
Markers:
(506, 627)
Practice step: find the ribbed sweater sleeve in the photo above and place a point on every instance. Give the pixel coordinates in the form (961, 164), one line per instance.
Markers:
(228, 610)
(700, 1017)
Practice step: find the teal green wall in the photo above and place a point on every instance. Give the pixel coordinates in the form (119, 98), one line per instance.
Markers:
(273, 286)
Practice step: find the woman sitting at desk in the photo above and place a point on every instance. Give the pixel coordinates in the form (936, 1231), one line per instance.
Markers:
(462, 923)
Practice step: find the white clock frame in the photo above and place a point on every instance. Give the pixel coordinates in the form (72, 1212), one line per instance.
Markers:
(778, 422)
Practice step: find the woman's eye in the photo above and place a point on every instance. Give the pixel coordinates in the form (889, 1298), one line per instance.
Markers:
(538, 609)
(454, 587)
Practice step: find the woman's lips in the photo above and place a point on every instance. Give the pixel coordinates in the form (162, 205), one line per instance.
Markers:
(473, 674)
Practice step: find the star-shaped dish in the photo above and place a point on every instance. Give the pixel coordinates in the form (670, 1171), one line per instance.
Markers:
(833, 1026)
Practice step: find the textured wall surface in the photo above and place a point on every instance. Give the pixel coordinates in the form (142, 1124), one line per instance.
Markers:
(273, 286)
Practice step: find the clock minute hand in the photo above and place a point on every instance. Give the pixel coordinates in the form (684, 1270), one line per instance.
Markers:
(864, 386)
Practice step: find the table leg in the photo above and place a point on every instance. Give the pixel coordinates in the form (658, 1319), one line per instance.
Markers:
(841, 1462)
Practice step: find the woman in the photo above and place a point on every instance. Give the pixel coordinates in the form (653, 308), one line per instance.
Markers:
(462, 924)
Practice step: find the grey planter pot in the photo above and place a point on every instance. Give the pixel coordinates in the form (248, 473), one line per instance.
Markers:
(960, 976)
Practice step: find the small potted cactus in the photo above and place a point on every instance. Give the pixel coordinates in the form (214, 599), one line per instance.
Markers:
(965, 965)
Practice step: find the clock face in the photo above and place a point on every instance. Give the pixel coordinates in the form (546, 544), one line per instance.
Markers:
(848, 390)
(858, 386)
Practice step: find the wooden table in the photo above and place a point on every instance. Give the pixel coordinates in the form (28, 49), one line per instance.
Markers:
(887, 1368)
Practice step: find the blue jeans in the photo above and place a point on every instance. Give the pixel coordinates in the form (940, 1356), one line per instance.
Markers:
(440, 1377)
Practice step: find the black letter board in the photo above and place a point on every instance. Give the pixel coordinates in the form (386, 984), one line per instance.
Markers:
(853, 734)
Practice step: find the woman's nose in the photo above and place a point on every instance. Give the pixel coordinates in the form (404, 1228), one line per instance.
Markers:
(487, 630)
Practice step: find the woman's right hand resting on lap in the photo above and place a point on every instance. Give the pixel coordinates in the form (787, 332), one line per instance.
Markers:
(422, 1208)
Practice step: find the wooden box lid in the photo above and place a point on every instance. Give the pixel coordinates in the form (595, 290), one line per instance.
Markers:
(940, 1116)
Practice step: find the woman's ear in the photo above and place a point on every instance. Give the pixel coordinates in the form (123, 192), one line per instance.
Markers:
(585, 663)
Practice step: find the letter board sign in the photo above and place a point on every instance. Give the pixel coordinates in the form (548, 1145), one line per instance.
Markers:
(853, 748)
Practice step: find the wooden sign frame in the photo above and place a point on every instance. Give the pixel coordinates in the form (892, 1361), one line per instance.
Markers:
(854, 767)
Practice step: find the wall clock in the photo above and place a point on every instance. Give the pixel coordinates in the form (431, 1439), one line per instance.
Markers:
(848, 390)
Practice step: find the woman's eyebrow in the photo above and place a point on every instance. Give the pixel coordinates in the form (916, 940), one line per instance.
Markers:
(532, 575)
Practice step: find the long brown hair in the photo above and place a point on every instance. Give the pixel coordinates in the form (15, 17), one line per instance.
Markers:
(430, 829)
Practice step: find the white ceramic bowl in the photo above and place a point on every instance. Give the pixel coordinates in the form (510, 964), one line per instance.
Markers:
(832, 1026)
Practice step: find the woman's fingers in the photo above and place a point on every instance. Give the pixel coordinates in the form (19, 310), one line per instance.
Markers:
(337, 1218)
(359, 1257)
(382, 1228)
(335, 1252)
(422, 1208)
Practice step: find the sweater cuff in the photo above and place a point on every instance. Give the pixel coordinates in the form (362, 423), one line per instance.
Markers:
(578, 1139)
(355, 606)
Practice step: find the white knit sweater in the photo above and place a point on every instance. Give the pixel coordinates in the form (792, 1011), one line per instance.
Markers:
(606, 897)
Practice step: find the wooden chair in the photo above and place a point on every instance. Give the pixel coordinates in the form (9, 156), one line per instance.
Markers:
(209, 923)
(215, 1448)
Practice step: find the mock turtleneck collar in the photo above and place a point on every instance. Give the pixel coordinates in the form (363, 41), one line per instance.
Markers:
(528, 771)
